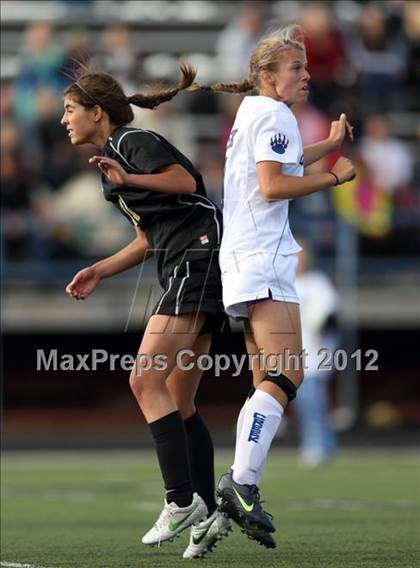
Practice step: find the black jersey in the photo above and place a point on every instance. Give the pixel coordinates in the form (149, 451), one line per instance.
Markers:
(184, 230)
(143, 152)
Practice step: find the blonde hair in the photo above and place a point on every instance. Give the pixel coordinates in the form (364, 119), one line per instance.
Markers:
(264, 57)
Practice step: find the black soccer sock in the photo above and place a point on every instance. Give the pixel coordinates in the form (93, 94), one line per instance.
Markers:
(201, 453)
(172, 451)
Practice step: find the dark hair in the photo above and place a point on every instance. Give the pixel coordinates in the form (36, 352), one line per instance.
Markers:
(91, 88)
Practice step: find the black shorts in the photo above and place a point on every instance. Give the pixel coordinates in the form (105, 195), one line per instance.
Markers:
(188, 268)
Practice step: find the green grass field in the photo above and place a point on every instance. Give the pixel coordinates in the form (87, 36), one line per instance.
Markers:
(88, 511)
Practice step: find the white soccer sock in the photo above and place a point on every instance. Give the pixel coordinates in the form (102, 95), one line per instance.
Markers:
(261, 419)
(239, 423)
(260, 471)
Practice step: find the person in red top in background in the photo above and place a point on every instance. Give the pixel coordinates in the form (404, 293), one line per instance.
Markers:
(325, 54)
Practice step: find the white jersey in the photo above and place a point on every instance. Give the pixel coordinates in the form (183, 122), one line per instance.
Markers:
(257, 254)
(264, 130)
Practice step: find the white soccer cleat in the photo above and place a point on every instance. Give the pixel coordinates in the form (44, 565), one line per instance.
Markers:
(174, 519)
(204, 535)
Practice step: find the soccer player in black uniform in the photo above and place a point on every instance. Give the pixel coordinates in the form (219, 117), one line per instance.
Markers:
(161, 193)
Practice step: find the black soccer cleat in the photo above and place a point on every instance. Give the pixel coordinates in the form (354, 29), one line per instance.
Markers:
(242, 504)
(261, 536)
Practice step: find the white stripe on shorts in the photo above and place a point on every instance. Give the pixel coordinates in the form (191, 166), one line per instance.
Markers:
(178, 296)
(171, 279)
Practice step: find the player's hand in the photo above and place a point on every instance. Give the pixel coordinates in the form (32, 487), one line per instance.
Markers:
(111, 168)
(344, 170)
(83, 284)
(338, 131)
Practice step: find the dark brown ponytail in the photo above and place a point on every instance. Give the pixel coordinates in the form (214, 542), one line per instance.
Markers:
(163, 95)
(91, 88)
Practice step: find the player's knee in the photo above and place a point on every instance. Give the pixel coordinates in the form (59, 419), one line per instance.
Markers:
(295, 373)
(288, 384)
(257, 377)
(135, 384)
(142, 384)
(296, 377)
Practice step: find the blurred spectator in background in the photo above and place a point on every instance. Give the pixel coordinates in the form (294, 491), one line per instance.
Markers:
(40, 68)
(77, 51)
(318, 304)
(233, 49)
(312, 215)
(379, 58)
(237, 41)
(325, 54)
(382, 187)
(118, 57)
(57, 162)
(416, 171)
(6, 100)
(229, 107)
(82, 223)
(36, 101)
(389, 159)
(211, 168)
(178, 128)
(24, 236)
(411, 21)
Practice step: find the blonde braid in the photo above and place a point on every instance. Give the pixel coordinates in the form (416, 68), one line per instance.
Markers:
(242, 87)
(265, 56)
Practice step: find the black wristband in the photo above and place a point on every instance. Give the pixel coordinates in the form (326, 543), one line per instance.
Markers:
(337, 182)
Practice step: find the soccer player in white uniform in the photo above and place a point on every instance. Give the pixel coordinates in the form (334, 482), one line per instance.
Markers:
(258, 257)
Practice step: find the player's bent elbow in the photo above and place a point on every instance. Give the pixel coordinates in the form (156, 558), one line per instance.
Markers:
(274, 191)
(189, 185)
(266, 191)
(185, 184)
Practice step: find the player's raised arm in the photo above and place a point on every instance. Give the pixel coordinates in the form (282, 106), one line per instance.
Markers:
(275, 185)
(338, 131)
(168, 179)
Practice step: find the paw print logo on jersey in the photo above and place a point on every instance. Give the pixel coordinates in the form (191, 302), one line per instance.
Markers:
(279, 143)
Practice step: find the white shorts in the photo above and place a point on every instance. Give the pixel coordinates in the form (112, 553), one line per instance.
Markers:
(257, 277)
